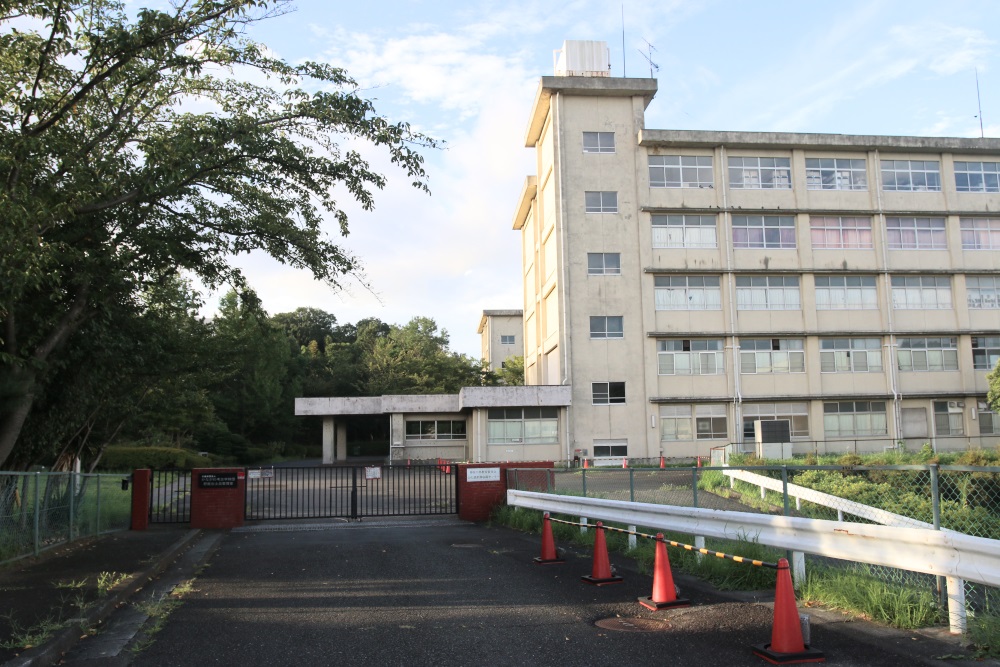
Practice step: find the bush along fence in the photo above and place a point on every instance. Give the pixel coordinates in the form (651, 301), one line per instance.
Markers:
(41, 510)
(964, 499)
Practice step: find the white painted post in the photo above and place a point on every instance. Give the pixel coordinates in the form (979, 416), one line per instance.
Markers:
(631, 537)
(583, 528)
(840, 515)
(762, 492)
(956, 605)
(798, 569)
(798, 503)
(699, 543)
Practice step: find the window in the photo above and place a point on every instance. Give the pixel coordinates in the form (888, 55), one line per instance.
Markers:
(916, 233)
(848, 419)
(850, 355)
(983, 292)
(836, 174)
(767, 293)
(796, 414)
(760, 173)
(977, 176)
(771, 355)
(604, 263)
(531, 426)
(610, 447)
(985, 352)
(687, 293)
(921, 292)
(684, 231)
(598, 142)
(680, 171)
(948, 418)
(602, 326)
(980, 233)
(690, 357)
(507, 340)
(841, 233)
(911, 175)
(601, 202)
(846, 293)
(709, 422)
(440, 429)
(764, 231)
(989, 423)
(927, 354)
(608, 393)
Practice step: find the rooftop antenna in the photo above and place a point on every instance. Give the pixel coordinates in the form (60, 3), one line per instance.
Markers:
(623, 40)
(979, 100)
(649, 58)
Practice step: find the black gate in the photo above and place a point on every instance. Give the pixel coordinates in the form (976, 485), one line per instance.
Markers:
(350, 491)
(170, 496)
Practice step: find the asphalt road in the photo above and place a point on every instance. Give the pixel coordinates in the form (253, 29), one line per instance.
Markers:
(436, 591)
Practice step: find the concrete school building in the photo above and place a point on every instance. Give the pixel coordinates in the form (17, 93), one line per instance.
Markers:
(685, 289)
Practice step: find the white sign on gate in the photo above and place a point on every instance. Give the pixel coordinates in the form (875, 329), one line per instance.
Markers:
(482, 474)
(373, 472)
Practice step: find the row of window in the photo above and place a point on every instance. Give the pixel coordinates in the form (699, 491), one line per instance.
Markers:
(841, 419)
(504, 426)
(831, 292)
(778, 232)
(775, 173)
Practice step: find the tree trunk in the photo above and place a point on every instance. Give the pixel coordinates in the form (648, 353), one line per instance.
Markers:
(21, 383)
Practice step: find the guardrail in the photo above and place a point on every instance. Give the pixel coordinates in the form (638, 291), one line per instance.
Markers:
(952, 555)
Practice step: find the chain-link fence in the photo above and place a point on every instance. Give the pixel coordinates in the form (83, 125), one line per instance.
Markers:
(40, 510)
(965, 499)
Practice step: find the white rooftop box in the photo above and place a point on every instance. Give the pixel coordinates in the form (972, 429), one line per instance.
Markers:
(582, 58)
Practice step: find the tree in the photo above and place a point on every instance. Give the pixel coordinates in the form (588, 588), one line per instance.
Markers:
(112, 178)
(512, 371)
(993, 396)
(308, 325)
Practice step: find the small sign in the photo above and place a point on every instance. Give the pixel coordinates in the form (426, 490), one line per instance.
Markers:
(259, 473)
(482, 474)
(373, 472)
(253, 474)
(217, 480)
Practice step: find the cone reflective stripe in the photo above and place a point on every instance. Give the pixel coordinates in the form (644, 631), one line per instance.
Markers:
(549, 553)
(600, 573)
(664, 593)
(786, 647)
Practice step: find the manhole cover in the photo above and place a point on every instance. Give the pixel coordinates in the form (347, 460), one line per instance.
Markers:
(633, 624)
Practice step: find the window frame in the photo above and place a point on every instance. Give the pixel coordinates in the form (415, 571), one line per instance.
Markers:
(953, 421)
(973, 237)
(602, 206)
(770, 349)
(771, 234)
(862, 295)
(978, 297)
(695, 358)
(931, 177)
(658, 173)
(796, 413)
(988, 349)
(604, 268)
(518, 425)
(989, 177)
(818, 232)
(691, 226)
(841, 170)
(844, 358)
(770, 176)
(607, 393)
(606, 332)
(711, 293)
(436, 431)
(600, 146)
(928, 233)
(914, 354)
(694, 421)
(902, 293)
(508, 339)
(776, 296)
(858, 417)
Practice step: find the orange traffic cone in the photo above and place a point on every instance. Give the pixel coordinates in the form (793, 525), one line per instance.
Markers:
(699, 461)
(447, 469)
(624, 462)
(549, 553)
(586, 463)
(600, 573)
(664, 594)
(663, 463)
(786, 645)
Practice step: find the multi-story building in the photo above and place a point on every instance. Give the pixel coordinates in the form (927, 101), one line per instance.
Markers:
(501, 333)
(687, 284)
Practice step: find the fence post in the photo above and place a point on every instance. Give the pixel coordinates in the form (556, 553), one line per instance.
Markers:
(694, 487)
(584, 482)
(936, 513)
(548, 483)
(38, 523)
(631, 485)
(71, 489)
(354, 492)
(97, 520)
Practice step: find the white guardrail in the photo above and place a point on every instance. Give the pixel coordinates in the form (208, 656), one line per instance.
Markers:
(947, 554)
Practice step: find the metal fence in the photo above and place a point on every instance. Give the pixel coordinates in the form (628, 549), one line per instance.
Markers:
(41, 510)
(965, 499)
(170, 496)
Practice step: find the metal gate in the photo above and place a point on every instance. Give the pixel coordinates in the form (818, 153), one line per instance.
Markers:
(170, 496)
(350, 491)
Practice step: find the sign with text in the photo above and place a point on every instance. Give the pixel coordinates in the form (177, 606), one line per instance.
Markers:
(373, 472)
(482, 474)
(217, 480)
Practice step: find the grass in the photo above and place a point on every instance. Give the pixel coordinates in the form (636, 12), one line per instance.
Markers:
(22, 638)
(863, 595)
(157, 612)
(984, 635)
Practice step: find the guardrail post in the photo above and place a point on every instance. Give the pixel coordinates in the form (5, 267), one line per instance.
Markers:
(583, 525)
(798, 569)
(38, 522)
(956, 606)
(699, 543)
(631, 537)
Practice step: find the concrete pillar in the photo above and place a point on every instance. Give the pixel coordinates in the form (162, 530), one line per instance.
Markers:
(341, 441)
(329, 453)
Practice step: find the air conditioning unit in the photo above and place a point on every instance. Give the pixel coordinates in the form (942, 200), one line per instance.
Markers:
(955, 406)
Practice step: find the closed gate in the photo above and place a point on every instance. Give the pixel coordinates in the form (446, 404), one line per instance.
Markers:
(170, 496)
(350, 491)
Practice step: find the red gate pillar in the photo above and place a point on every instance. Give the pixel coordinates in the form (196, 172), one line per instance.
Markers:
(141, 482)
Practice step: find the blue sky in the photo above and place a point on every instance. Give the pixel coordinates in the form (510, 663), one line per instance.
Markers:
(466, 73)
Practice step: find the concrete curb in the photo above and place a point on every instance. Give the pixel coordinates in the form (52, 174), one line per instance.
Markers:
(50, 652)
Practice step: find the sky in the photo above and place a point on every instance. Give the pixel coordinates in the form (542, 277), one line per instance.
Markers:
(466, 74)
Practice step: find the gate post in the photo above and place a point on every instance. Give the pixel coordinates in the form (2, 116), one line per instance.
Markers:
(141, 488)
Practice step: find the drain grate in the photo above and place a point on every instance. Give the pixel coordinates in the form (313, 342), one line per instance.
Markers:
(633, 624)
